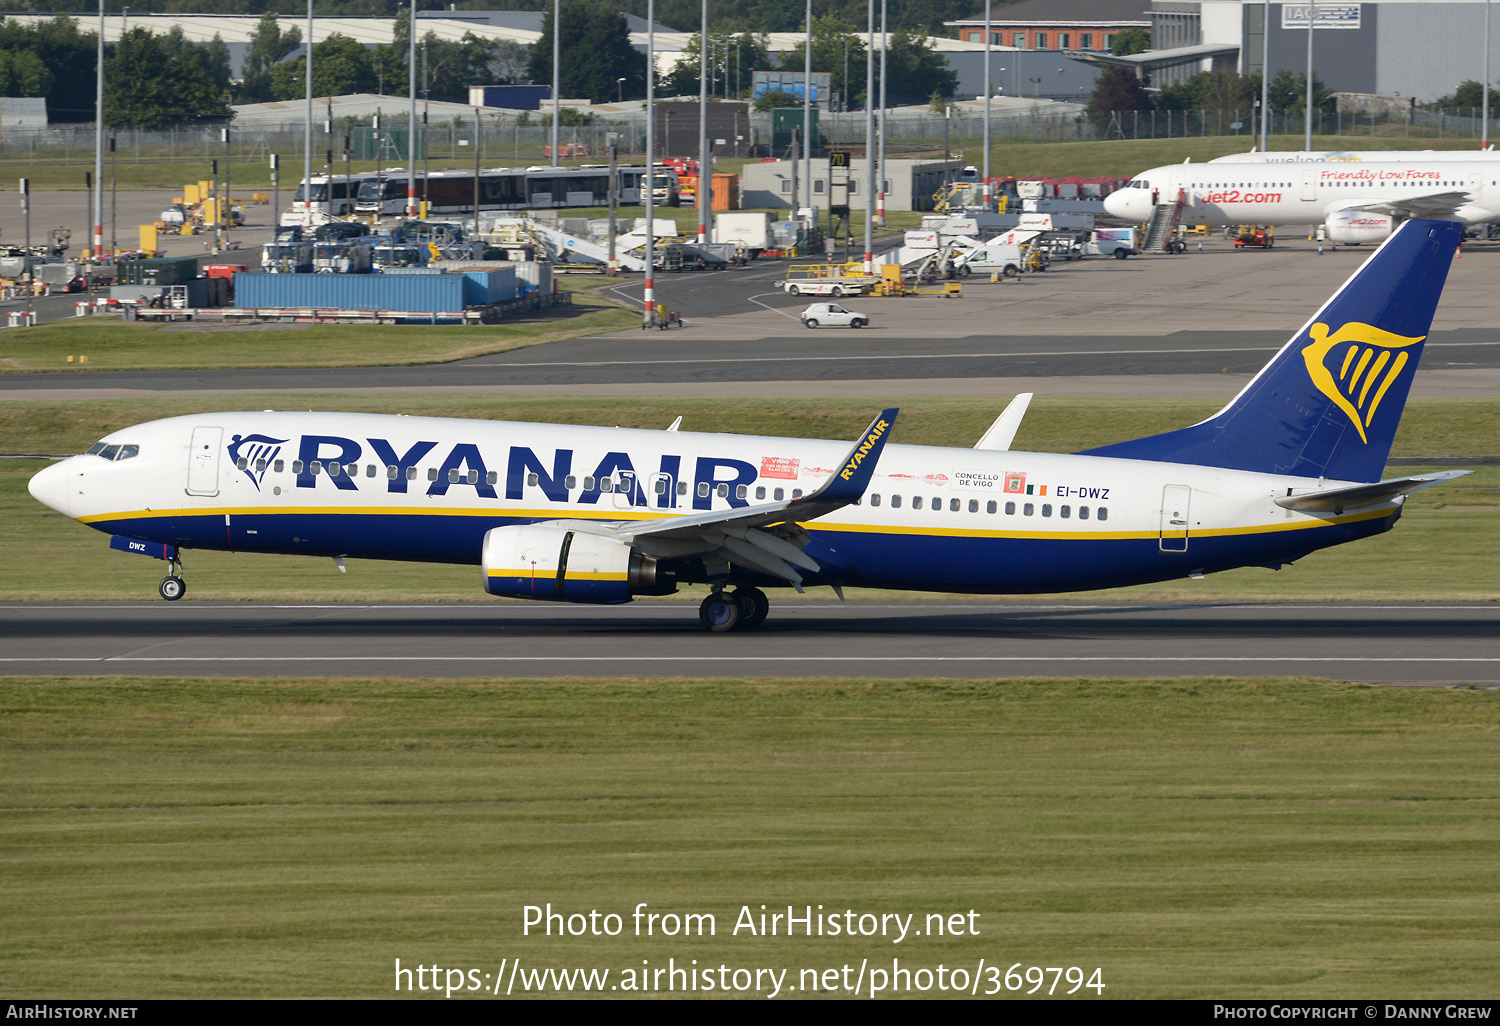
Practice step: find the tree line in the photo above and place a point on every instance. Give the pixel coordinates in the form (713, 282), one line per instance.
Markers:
(154, 79)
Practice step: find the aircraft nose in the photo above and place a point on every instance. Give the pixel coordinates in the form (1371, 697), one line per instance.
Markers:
(1118, 204)
(49, 486)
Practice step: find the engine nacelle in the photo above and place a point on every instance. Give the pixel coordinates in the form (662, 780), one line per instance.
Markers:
(542, 561)
(1353, 227)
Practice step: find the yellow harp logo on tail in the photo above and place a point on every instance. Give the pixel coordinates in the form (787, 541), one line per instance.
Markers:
(1368, 361)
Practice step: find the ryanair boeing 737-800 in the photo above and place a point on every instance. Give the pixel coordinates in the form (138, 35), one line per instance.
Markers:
(596, 514)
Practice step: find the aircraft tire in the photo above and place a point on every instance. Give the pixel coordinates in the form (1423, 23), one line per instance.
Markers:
(811, 322)
(754, 606)
(719, 613)
(172, 588)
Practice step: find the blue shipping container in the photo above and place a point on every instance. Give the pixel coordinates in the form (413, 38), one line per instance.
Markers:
(421, 293)
(489, 285)
(513, 97)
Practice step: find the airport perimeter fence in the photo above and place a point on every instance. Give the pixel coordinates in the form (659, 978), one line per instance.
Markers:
(505, 138)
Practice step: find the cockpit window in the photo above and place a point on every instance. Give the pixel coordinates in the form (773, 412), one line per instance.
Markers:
(113, 452)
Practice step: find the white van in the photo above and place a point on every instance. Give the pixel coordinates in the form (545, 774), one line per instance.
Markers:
(992, 257)
(1116, 242)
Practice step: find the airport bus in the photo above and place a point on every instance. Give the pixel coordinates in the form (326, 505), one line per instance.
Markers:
(452, 191)
(332, 196)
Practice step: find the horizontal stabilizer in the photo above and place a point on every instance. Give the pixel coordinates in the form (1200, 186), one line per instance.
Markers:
(1337, 500)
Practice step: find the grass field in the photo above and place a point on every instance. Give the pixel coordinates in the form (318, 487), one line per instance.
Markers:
(112, 345)
(1192, 839)
(1032, 159)
(1443, 549)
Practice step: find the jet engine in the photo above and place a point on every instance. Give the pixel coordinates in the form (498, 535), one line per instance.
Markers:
(547, 561)
(1353, 226)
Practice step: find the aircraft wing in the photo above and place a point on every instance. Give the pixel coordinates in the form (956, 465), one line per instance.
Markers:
(740, 535)
(1439, 206)
(1336, 500)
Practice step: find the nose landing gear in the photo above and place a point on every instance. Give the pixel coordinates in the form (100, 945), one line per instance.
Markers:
(172, 586)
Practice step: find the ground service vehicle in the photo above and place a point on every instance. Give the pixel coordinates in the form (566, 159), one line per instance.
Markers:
(832, 315)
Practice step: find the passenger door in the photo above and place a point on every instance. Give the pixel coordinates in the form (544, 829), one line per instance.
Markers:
(1174, 517)
(203, 461)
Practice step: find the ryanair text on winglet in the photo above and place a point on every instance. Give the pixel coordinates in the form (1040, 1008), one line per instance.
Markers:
(863, 450)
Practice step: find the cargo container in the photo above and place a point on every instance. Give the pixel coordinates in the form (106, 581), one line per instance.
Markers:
(162, 271)
(419, 293)
(511, 97)
(726, 192)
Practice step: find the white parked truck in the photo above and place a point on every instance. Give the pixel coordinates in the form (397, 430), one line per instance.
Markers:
(750, 230)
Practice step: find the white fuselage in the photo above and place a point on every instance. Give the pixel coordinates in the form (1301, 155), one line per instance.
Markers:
(1264, 193)
(428, 489)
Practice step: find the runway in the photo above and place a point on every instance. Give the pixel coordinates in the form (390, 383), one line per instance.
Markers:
(949, 638)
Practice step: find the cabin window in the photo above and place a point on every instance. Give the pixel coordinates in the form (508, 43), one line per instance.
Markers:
(588, 483)
(1046, 509)
(875, 499)
(369, 470)
(702, 489)
(741, 492)
(278, 466)
(432, 473)
(682, 487)
(531, 479)
(492, 477)
(796, 493)
(1010, 509)
(760, 491)
(916, 502)
(315, 468)
(392, 471)
(570, 482)
(1065, 511)
(973, 505)
(473, 477)
(660, 486)
(779, 494)
(895, 502)
(411, 473)
(352, 469)
(260, 466)
(723, 490)
(1028, 509)
(606, 484)
(990, 507)
(453, 475)
(1103, 512)
(296, 466)
(1083, 512)
(953, 505)
(242, 464)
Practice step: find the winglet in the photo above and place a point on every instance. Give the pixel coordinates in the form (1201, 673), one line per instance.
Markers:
(848, 483)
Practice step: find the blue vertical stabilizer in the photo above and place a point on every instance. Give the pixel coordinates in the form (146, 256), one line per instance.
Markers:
(1328, 404)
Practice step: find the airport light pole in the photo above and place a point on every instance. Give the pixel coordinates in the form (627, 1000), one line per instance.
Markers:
(984, 189)
(880, 185)
(648, 296)
(869, 203)
(807, 114)
(1484, 132)
(556, 76)
(1312, 20)
(98, 145)
(411, 117)
(705, 178)
(307, 136)
(1265, 73)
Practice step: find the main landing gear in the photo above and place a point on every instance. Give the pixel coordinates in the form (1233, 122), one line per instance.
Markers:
(743, 607)
(172, 586)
